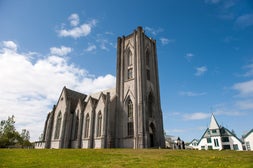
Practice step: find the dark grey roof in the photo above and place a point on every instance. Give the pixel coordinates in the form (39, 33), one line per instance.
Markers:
(73, 97)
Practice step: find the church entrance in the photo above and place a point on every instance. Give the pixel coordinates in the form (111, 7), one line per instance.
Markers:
(151, 135)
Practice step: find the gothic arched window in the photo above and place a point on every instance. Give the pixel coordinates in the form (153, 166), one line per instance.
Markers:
(76, 127)
(150, 105)
(147, 58)
(130, 128)
(58, 126)
(99, 124)
(129, 57)
(87, 124)
(130, 109)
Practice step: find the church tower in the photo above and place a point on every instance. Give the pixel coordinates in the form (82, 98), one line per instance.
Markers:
(138, 118)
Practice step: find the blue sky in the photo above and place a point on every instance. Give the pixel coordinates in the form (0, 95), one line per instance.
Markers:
(204, 49)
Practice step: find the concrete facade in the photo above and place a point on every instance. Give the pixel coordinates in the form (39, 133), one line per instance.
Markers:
(128, 116)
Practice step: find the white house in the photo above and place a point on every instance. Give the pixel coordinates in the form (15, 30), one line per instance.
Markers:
(248, 140)
(219, 138)
(193, 144)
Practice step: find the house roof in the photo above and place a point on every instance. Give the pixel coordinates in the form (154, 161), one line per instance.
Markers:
(246, 135)
(213, 123)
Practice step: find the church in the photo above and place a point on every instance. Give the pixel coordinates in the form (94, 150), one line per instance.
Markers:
(128, 116)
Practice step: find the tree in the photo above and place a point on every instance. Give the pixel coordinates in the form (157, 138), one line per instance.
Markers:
(10, 137)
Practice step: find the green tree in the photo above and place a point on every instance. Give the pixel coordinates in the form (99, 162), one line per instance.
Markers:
(10, 137)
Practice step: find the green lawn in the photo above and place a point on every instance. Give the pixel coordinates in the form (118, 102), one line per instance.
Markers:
(123, 158)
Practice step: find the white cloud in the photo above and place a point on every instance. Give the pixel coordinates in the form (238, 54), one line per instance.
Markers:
(29, 89)
(165, 41)
(153, 31)
(245, 89)
(189, 56)
(250, 70)
(91, 47)
(244, 20)
(77, 31)
(60, 51)
(196, 116)
(10, 45)
(200, 70)
(245, 104)
(74, 19)
(191, 94)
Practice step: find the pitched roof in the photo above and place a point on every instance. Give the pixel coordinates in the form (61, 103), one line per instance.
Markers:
(74, 97)
(213, 123)
(245, 136)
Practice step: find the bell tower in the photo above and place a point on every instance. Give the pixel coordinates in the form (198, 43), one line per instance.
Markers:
(138, 118)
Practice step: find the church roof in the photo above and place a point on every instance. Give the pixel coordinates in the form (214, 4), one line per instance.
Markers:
(213, 123)
(74, 97)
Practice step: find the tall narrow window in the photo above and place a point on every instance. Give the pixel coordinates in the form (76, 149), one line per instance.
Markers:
(150, 105)
(130, 128)
(87, 125)
(147, 58)
(148, 74)
(76, 127)
(130, 73)
(58, 126)
(130, 109)
(130, 57)
(99, 124)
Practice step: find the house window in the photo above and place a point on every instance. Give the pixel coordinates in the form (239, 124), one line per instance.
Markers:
(247, 145)
(210, 147)
(214, 131)
(87, 124)
(226, 147)
(99, 124)
(58, 126)
(235, 146)
(130, 73)
(216, 143)
(224, 139)
(202, 147)
(209, 140)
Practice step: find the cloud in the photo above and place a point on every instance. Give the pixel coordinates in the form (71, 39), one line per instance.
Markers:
(153, 31)
(245, 104)
(60, 51)
(244, 20)
(74, 19)
(189, 56)
(191, 94)
(250, 70)
(200, 70)
(77, 31)
(165, 41)
(91, 47)
(29, 88)
(196, 116)
(245, 89)
(10, 45)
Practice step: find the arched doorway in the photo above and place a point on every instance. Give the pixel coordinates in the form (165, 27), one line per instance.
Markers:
(152, 135)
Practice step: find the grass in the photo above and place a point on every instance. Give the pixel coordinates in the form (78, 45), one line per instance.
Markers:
(123, 158)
